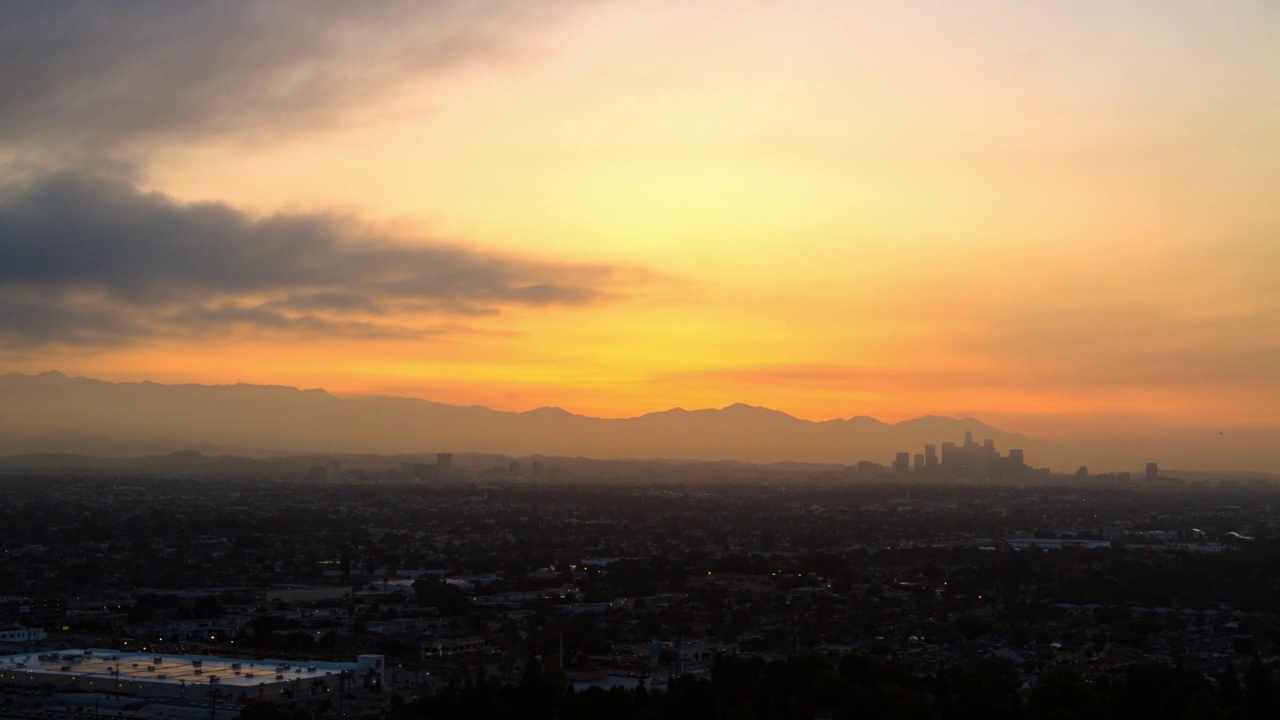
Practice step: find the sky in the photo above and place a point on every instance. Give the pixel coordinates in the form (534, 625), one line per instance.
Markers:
(1060, 218)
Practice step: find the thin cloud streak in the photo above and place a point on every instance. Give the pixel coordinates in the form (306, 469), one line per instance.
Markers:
(96, 78)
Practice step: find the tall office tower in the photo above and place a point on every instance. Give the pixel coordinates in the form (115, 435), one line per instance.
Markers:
(444, 462)
(984, 460)
(917, 463)
(900, 463)
(950, 461)
(930, 457)
(968, 439)
(1153, 471)
(1016, 463)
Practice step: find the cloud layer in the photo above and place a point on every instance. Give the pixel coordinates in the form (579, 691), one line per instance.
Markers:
(96, 78)
(91, 260)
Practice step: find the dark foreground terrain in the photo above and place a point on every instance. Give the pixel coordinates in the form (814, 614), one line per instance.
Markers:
(765, 595)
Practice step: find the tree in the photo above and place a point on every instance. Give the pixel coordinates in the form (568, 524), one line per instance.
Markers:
(1062, 694)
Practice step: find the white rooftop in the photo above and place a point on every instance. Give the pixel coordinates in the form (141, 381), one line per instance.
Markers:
(177, 669)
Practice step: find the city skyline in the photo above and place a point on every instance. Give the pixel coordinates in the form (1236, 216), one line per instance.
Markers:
(54, 413)
(1059, 220)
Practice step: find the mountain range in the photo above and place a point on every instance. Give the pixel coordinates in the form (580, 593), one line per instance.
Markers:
(51, 412)
(54, 413)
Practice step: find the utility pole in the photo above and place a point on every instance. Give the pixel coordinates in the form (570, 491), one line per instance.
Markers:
(213, 698)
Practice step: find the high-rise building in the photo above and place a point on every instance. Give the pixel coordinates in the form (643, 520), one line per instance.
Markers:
(984, 459)
(950, 458)
(930, 457)
(1015, 467)
(900, 462)
(917, 463)
(1153, 471)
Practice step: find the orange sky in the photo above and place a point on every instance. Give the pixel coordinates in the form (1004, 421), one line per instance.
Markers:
(1060, 218)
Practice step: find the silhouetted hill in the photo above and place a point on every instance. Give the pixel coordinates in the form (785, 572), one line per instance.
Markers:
(55, 413)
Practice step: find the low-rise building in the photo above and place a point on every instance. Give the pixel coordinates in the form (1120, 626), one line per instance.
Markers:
(20, 634)
(186, 676)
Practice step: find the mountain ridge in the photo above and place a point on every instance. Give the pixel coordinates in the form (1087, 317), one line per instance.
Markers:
(59, 413)
(54, 412)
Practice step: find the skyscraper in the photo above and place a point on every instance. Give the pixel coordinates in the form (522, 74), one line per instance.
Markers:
(901, 464)
(950, 463)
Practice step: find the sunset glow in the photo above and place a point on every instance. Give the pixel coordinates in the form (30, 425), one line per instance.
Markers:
(1059, 218)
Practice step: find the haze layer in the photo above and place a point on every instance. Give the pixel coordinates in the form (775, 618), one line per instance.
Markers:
(1060, 219)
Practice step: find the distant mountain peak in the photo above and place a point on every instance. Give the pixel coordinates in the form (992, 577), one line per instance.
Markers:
(671, 412)
(550, 411)
(744, 410)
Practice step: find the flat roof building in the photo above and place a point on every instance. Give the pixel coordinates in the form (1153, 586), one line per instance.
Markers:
(186, 676)
(1055, 543)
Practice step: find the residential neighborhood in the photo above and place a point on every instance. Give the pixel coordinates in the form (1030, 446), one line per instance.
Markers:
(642, 581)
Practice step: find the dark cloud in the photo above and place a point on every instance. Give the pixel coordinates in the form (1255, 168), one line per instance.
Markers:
(31, 319)
(93, 77)
(88, 259)
(92, 260)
